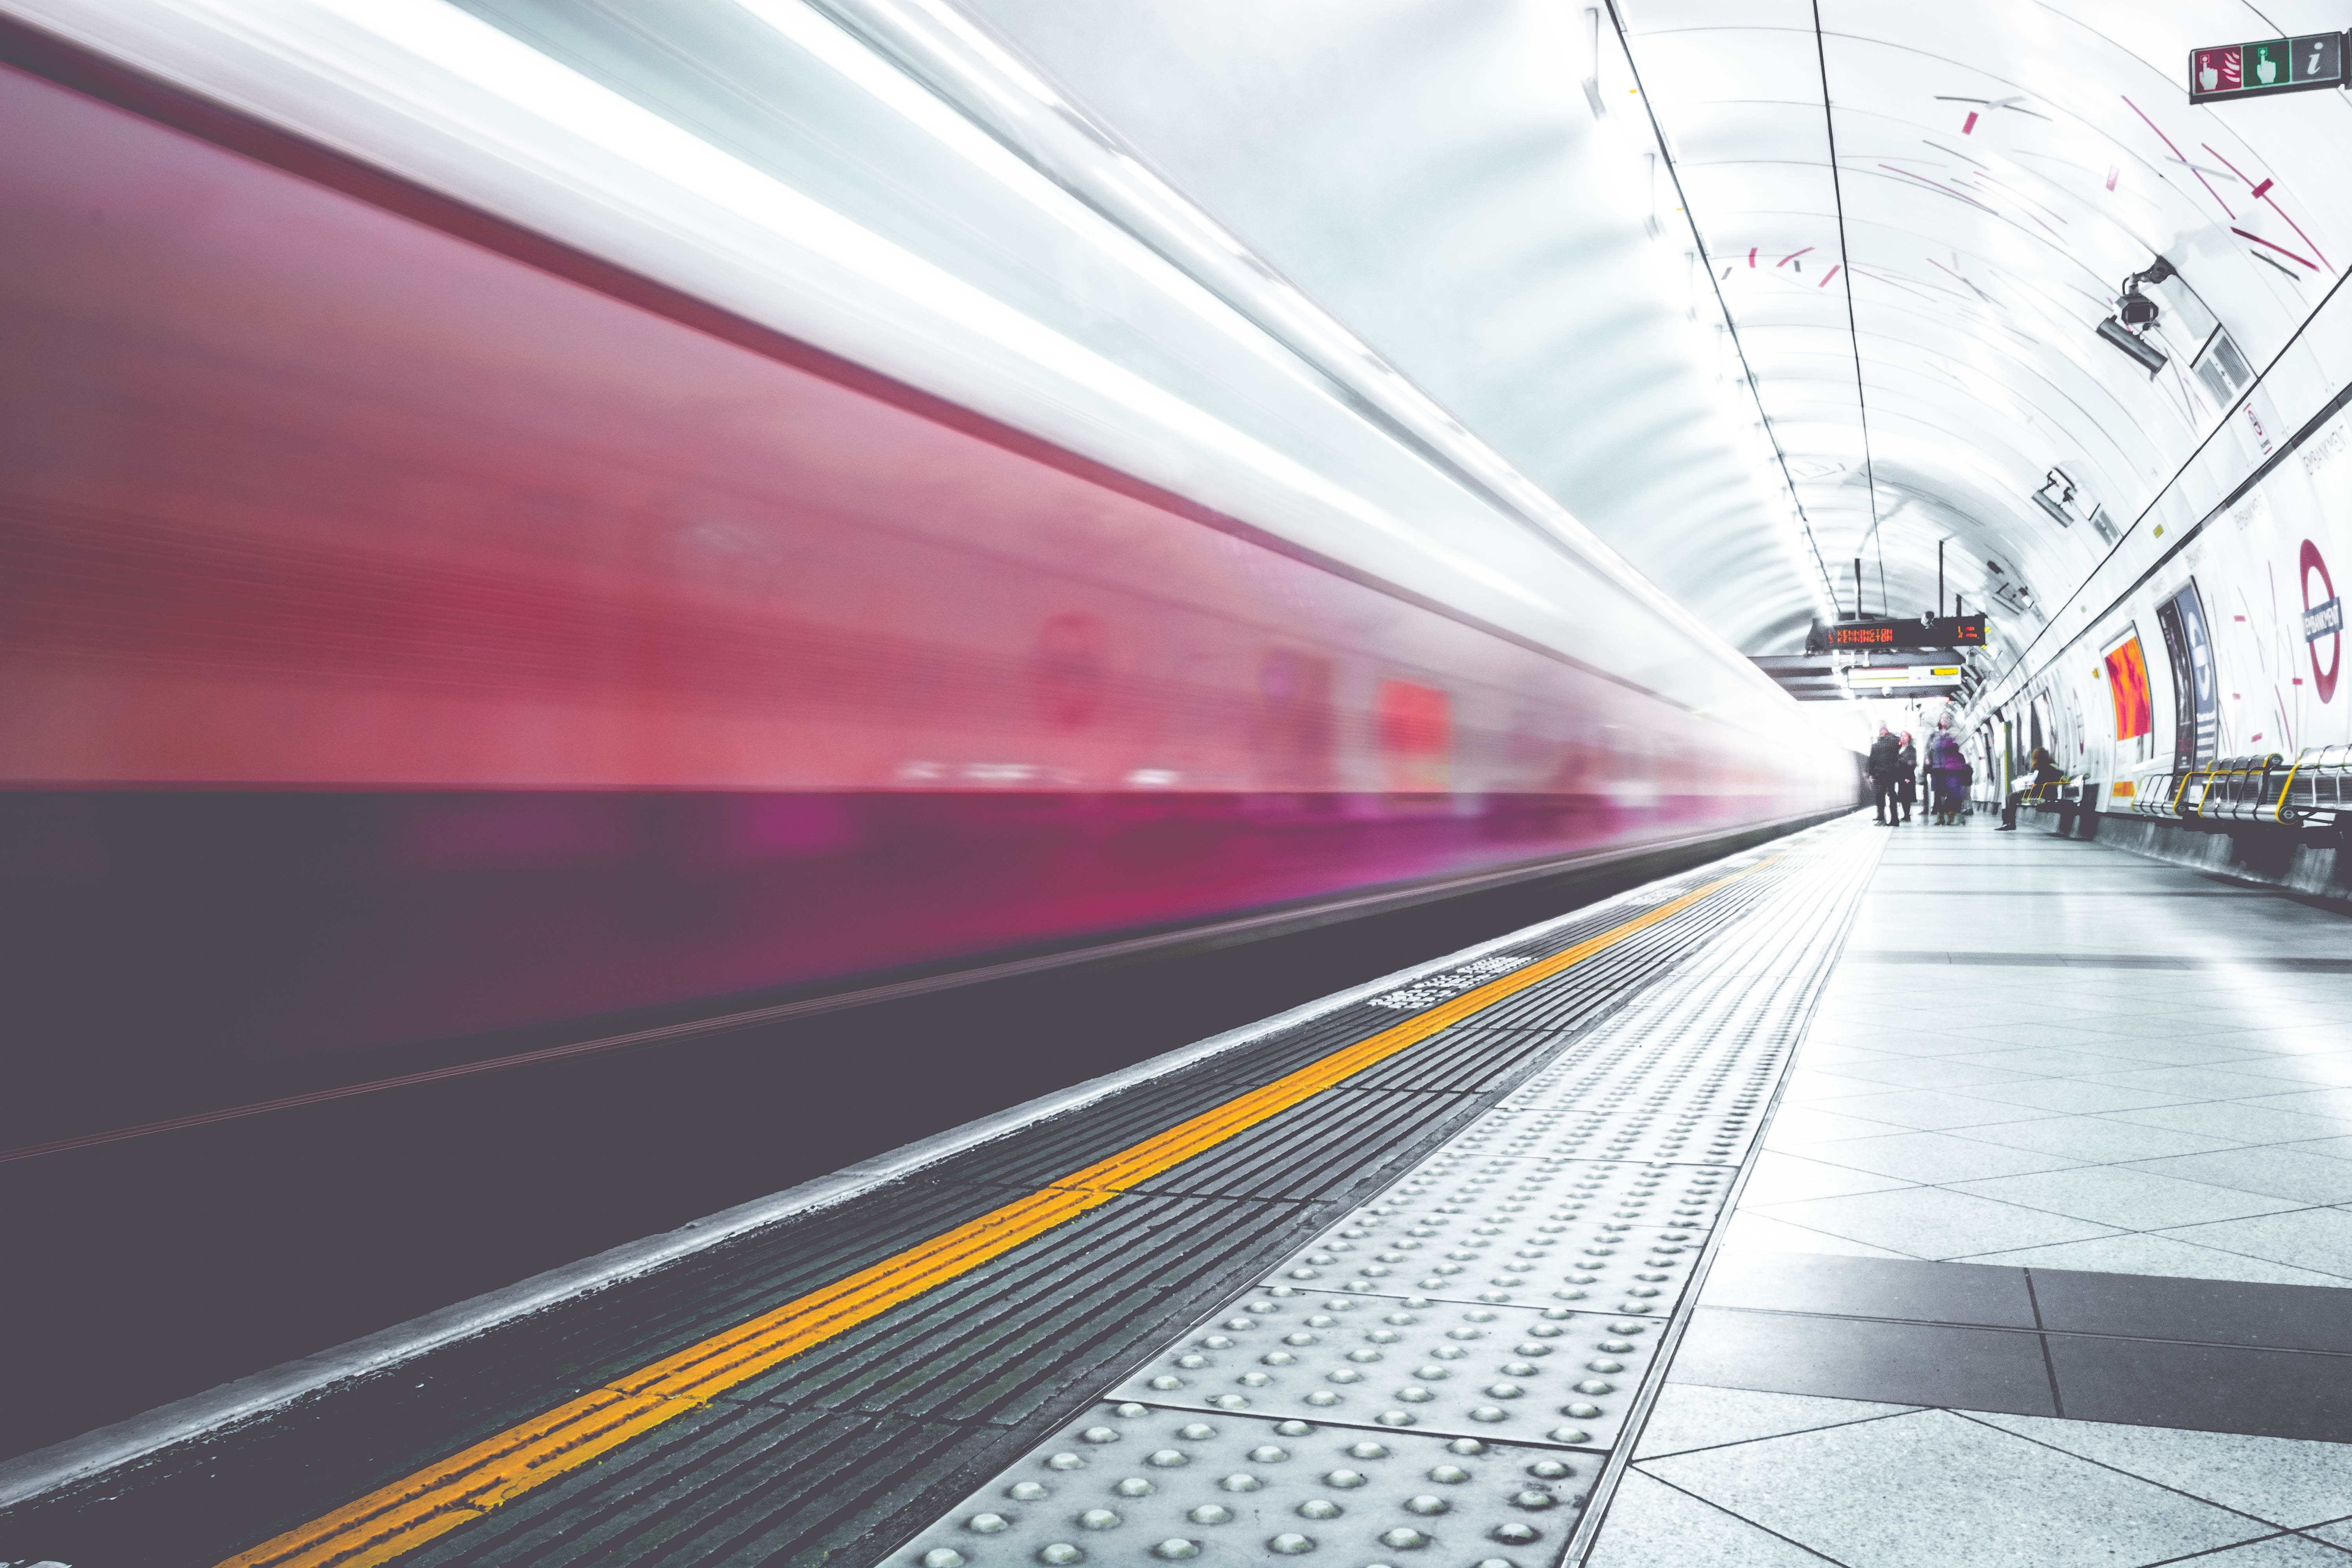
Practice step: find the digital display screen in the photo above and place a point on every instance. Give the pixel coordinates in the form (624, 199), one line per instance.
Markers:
(1927, 632)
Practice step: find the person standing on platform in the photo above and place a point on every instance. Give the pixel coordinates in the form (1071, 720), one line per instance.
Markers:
(1909, 782)
(1885, 765)
(1945, 770)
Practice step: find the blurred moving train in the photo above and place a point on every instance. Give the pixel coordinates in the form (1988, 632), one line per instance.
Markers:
(459, 573)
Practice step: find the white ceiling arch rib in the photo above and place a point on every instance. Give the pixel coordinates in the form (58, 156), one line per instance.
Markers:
(2001, 167)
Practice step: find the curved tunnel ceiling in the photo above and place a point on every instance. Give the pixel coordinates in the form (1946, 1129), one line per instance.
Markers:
(1431, 172)
(1920, 306)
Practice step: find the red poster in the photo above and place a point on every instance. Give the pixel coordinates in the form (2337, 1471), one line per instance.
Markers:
(2127, 685)
(1416, 737)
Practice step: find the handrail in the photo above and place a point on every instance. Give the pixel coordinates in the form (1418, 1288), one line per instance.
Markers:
(2311, 791)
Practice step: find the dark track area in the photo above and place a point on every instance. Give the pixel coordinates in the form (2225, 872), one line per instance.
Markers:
(163, 1266)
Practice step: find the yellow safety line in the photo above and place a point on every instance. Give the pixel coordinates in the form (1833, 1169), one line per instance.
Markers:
(400, 1518)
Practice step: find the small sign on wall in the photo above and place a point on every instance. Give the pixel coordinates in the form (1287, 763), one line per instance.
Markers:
(2258, 69)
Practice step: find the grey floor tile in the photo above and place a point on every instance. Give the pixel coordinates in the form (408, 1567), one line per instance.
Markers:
(2339, 1532)
(1757, 1232)
(1794, 1126)
(1650, 1523)
(1825, 1089)
(2246, 1123)
(2317, 1038)
(2156, 1382)
(2334, 1148)
(1785, 1178)
(2103, 1140)
(2331, 1069)
(1938, 1157)
(1932, 1111)
(2062, 1061)
(1924, 1491)
(2302, 1315)
(2287, 1481)
(2134, 1199)
(2198, 1050)
(1934, 1072)
(1692, 1415)
(2196, 1082)
(2277, 1551)
(1823, 1053)
(2280, 1170)
(1934, 1222)
(1865, 1358)
(2327, 1100)
(2074, 1096)
(2155, 1022)
(2158, 1255)
(1907, 1290)
(2302, 1238)
(1930, 1045)
(1978, 1040)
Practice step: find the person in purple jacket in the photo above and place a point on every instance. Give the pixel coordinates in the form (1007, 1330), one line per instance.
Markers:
(1946, 769)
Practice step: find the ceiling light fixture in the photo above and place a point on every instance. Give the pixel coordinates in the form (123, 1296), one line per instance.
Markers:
(2056, 503)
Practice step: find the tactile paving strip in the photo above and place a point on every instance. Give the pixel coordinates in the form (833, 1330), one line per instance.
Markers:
(1498, 1232)
(1131, 1484)
(1528, 1373)
(1507, 1303)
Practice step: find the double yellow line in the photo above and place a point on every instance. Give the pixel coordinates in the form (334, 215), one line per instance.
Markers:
(401, 1517)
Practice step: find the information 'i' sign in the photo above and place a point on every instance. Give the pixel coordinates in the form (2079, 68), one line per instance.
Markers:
(2268, 66)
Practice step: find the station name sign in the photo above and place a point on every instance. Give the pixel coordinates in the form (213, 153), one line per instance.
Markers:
(1925, 632)
(2228, 71)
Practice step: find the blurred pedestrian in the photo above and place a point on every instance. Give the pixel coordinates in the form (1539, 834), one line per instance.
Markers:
(1909, 784)
(1885, 766)
(1947, 774)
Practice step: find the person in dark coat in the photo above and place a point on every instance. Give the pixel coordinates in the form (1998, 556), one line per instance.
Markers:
(1908, 785)
(2040, 769)
(1885, 767)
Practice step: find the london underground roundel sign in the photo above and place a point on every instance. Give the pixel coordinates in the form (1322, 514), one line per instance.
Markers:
(2322, 621)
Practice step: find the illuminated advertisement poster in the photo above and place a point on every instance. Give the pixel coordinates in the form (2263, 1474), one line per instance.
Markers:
(1416, 741)
(2197, 709)
(2323, 623)
(2128, 686)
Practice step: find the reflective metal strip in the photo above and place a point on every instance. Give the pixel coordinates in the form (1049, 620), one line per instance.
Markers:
(399, 1517)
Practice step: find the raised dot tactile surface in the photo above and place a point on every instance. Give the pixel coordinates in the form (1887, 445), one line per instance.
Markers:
(1130, 1484)
(1492, 1319)
(1598, 1235)
(1528, 1375)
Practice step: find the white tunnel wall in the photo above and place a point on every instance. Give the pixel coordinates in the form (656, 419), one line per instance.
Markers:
(2254, 531)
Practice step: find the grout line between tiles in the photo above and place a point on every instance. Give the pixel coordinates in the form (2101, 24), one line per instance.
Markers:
(1743, 1518)
(2048, 1366)
(1792, 1432)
